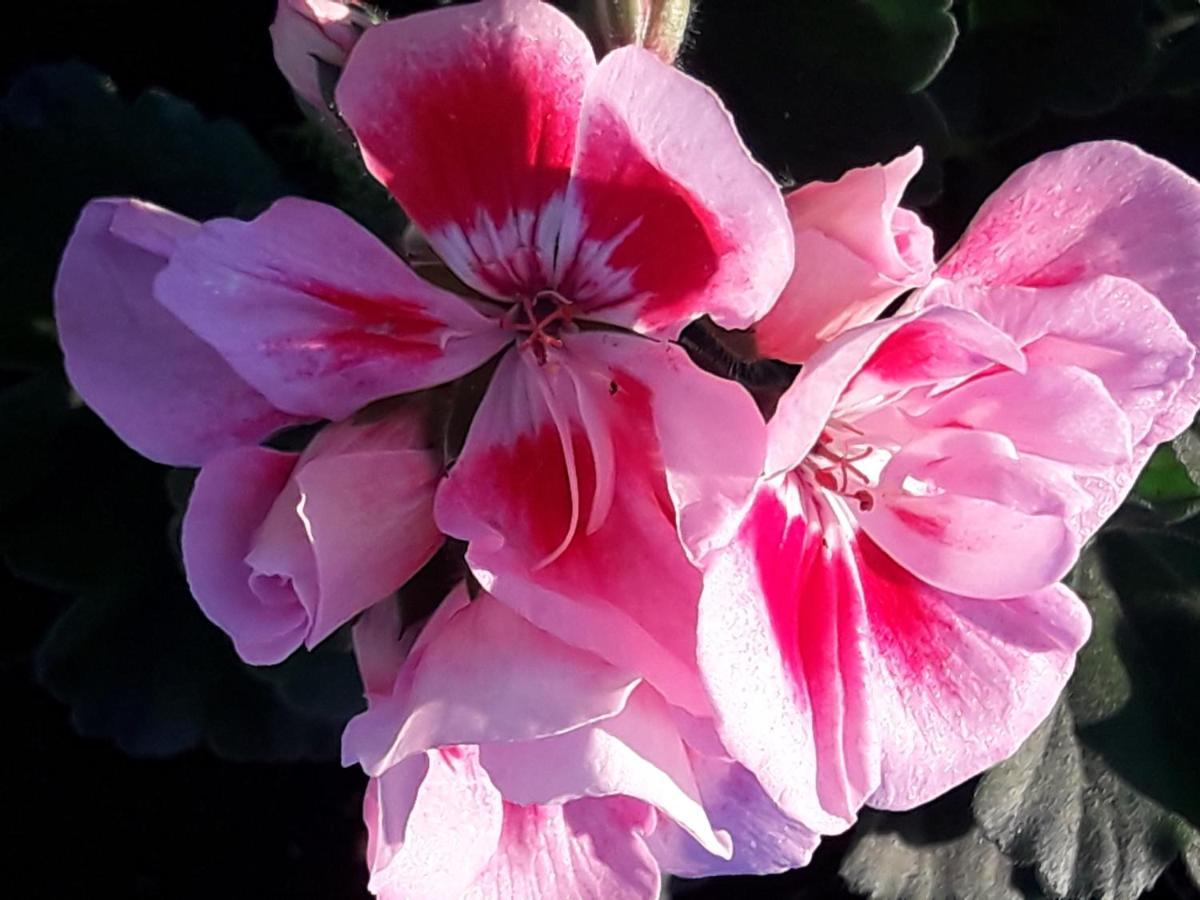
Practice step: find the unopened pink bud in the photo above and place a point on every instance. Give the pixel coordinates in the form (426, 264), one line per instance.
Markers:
(312, 39)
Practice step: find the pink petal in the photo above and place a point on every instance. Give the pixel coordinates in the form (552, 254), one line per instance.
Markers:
(558, 536)
(1059, 412)
(711, 434)
(856, 251)
(959, 683)
(229, 502)
(1113, 329)
(934, 351)
(164, 391)
(585, 848)
(764, 838)
(668, 217)
(484, 674)
(368, 511)
(437, 827)
(1103, 208)
(434, 825)
(881, 359)
(386, 658)
(965, 512)
(782, 646)
(469, 116)
(378, 649)
(478, 669)
(316, 313)
(867, 671)
(636, 753)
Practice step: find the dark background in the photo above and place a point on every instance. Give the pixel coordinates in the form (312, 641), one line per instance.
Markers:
(159, 800)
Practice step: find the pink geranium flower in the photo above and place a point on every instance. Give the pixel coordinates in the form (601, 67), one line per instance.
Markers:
(593, 209)
(887, 622)
(679, 661)
(508, 763)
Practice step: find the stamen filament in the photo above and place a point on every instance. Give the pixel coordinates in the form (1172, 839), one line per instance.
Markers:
(832, 468)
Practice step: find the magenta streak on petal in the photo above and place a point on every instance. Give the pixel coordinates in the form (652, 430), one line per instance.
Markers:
(926, 526)
(808, 582)
(384, 325)
(387, 310)
(904, 625)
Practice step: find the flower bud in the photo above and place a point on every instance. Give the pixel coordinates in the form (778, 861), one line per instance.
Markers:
(281, 549)
(657, 25)
(312, 39)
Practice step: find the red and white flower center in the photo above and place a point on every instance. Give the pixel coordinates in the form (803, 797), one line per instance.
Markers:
(542, 318)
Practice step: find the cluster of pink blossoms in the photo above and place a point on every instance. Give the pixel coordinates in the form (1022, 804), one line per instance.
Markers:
(693, 641)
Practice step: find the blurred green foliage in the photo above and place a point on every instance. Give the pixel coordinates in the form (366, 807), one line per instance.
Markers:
(79, 512)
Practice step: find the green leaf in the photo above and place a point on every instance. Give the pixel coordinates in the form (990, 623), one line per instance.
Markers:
(1104, 796)
(1191, 861)
(66, 136)
(1016, 58)
(1132, 694)
(930, 853)
(145, 670)
(1169, 485)
(322, 683)
(1167, 478)
(132, 656)
(94, 660)
(890, 45)
(819, 87)
(1186, 449)
(93, 513)
(920, 35)
(1178, 57)
(35, 415)
(1056, 806)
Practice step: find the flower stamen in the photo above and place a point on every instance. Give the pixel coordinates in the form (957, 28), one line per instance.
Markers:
(540, 326)
(831, 462)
